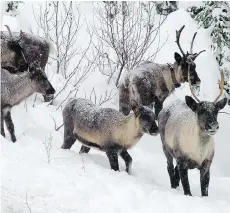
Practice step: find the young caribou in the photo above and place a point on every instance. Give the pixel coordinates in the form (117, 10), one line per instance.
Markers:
(186, 131)
(106, 129)
(151, 83)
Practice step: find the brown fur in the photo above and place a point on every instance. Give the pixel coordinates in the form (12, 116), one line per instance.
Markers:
(151, 83)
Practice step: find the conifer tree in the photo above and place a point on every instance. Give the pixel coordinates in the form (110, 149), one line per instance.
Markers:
(215, 16)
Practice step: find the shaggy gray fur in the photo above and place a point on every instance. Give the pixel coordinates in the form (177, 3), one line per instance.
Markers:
(33, 47)
(186, 131)
(151, 83)
(105, 128)
(16, 88)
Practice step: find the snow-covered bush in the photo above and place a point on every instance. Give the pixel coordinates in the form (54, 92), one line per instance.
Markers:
(125, 32)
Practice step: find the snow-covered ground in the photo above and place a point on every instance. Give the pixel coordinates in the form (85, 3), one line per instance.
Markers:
(73, 183)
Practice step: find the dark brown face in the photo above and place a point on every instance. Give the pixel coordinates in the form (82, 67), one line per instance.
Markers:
(20, 61)
(184, 64)
(207, 113)
(147, 120)
(41, 81)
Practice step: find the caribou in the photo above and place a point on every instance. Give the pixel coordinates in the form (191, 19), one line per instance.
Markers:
(20, 49)
(106, 129)
(151, 83)
(186, 131)
(16, 88)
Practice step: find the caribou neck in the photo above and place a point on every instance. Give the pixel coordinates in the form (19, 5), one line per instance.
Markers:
(178, 74)
(21, 87)
(132, 125)
(175, 76)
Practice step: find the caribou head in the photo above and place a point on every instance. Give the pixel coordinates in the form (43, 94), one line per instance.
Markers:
(17, 55)
(206, 111)
(182, 62)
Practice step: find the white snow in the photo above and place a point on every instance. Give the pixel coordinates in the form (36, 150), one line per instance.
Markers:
(73, 183)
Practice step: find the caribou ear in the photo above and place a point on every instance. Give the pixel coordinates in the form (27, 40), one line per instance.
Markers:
(135, 108)
(32, 68)
(221, 104)
(191, 103)
(177, 57)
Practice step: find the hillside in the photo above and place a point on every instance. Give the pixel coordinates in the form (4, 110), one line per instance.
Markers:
(73, 183)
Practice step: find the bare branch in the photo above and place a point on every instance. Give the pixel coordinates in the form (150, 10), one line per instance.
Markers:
(28, 206)
(125, 34)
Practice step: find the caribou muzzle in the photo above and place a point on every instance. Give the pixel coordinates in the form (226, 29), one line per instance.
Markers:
(212, 128)
(196, 88)
(153, 130)
(50, 91)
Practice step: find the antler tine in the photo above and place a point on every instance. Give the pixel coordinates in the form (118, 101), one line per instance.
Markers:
(191, 48)
(197, 54)
(221, 87)
(190, 85)
(194, 55)
(178, 33)
(21, 35)
(9, 30)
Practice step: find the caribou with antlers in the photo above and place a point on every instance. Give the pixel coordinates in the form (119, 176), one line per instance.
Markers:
(186, 131)
(18, 50)
(151, 83)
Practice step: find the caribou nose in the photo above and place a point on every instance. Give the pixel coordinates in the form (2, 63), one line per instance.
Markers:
(213, 128)
(154, 130)
(216, 127)
(50, 91)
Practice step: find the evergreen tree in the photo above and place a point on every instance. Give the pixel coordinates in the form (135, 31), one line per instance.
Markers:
(166, 7)
(11, 7)
(215, 16)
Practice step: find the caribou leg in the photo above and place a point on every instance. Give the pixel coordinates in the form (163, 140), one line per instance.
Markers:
(9, 122)
(170, 168)
(183, 171)
(69, 137)
(177, 176)
(84, 149)
(158, 107)
(112, 150)
(113, 159)
(2, 125)
(204, 178)
(127, 158)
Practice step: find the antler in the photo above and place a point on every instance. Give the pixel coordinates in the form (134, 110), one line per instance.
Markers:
(9, 30)
(20, 36)
(194, 55)
(221, 87)
(190, 85)
(178, 33)
(192, 42)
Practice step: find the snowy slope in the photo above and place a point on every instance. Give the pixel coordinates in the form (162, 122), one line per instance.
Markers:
(73, 183)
